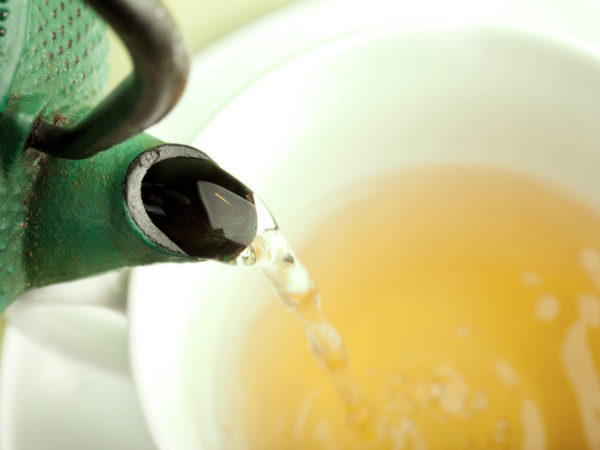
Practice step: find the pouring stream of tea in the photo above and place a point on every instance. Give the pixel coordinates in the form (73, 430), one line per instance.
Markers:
(299, 293)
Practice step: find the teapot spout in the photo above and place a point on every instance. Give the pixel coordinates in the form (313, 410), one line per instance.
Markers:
(140, 203)
(184, 202)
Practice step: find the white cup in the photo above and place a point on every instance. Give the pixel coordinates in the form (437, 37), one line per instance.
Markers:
(372, 101)
(84, 319)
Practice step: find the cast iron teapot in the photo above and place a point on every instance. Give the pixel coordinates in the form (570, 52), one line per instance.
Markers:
(82, 189)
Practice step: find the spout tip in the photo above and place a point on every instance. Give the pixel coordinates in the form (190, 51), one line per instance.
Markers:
(185, 203)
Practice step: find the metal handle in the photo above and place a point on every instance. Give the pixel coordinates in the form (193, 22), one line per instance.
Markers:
(161, 64)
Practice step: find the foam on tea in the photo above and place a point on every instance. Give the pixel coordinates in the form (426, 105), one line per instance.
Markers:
(468, 299)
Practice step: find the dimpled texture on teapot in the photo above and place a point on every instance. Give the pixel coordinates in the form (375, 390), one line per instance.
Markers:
(16, 200)
(13, 15)
(62, 67)
(64, 58)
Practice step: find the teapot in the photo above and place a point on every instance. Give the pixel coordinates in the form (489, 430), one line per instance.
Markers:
(83, 189)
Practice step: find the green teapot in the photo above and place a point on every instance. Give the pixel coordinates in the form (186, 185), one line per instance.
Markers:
(82, 189)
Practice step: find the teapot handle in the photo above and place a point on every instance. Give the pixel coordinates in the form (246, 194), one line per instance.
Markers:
(161, 64)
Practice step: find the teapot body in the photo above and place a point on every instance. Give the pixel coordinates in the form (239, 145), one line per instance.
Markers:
(60, 219)
(73, 158)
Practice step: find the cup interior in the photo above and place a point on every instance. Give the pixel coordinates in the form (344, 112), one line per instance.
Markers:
(374, 101)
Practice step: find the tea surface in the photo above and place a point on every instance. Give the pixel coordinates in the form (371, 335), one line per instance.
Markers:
(468, 298)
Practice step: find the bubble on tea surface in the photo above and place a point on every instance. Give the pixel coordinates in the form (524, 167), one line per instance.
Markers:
(546, 307)
(590, 261)
(506, 373)
(532, 426)
(531, 278)
(580, 367)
